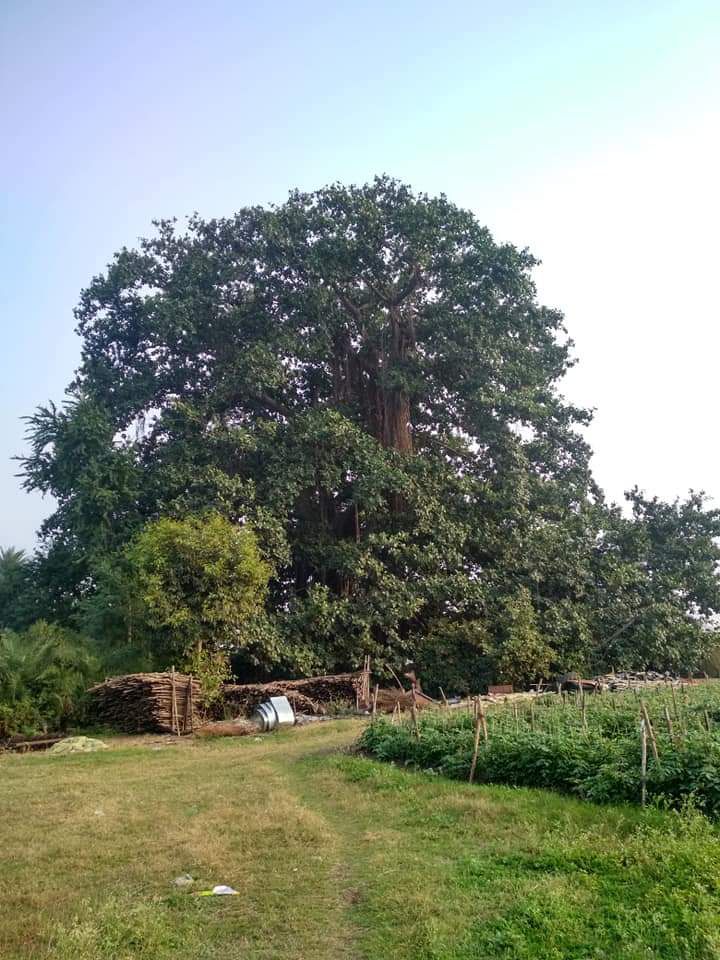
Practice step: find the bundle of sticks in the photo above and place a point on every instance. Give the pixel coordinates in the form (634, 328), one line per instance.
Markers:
(147, 703)
(306, 696)
(627, 679)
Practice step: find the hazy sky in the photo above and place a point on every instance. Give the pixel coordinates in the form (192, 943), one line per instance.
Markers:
(589, 132)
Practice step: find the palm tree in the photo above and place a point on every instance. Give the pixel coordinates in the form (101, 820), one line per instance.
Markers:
(46, 666)
(18, 598)
(11, 560)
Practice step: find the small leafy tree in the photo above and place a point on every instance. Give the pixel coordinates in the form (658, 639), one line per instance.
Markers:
(200, 585)
(522, 655)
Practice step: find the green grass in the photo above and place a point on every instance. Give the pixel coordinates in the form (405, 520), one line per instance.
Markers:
(335, 856)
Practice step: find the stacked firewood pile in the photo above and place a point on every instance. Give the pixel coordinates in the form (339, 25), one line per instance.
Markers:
(628, 679)
(622, 680)
(146, 703)
(306, 696)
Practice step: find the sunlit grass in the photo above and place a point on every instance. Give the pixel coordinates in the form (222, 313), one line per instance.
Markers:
(335, 856)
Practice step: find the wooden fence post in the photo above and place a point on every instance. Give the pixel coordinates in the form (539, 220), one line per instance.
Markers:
(643, 762)
(674, 700)
(413, 710)
(651, 733)
(481, 717)
(476, 747)
(668, 720)
(174, 721)
(192, 708)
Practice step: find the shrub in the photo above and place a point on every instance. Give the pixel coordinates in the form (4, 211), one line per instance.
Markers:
(44, 673)
(19, 717)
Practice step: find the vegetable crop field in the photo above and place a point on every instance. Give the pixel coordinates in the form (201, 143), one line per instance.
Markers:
(335, 857)
(657, 745)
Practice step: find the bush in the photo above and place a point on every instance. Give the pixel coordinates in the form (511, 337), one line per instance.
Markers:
(20, 717)
(44, 673)
(198, 586)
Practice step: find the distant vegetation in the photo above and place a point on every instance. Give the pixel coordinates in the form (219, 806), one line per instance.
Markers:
(362, 382)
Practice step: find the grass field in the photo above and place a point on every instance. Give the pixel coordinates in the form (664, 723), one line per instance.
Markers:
(335, 856)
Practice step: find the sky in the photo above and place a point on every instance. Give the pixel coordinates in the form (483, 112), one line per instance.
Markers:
(588, 132)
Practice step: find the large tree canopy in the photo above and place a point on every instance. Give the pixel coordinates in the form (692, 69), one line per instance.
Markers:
(367, 378)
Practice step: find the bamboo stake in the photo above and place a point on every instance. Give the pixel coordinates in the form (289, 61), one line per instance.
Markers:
(674, 700)
(649, 726)
(374, 700)
(444, 698)
(190, 701)
(532, 716)
(670, 725)
(413, 710)
(476, 747)
(517, 718)
(174, 723)
(186, 714)
(707, 720)
(397, 681)
(643, 762)
(483, 722)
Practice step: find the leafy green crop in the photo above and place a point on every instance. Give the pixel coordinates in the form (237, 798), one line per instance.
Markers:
(587, 746)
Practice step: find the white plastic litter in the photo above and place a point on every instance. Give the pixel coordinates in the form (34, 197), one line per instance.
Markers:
(220, 890)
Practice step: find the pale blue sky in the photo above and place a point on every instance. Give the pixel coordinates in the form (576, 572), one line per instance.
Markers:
(588, 131)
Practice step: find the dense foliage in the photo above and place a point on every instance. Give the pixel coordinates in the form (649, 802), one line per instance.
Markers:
(187, 593)
(588, 746)
(19, 605)
(366, 378)
(44, 673)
